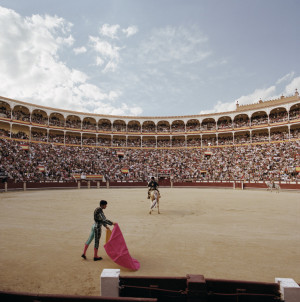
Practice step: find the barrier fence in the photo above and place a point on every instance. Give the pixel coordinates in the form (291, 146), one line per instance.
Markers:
(83, 184)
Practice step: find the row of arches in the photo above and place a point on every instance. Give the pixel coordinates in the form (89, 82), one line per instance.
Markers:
(90, 124)
(115, 140)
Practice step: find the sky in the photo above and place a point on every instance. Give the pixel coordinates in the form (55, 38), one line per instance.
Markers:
(149, 57)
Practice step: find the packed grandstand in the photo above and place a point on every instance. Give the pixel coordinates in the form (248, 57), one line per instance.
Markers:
(257, 142)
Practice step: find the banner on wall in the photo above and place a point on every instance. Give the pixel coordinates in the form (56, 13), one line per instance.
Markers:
(24, 147)
(41, 168)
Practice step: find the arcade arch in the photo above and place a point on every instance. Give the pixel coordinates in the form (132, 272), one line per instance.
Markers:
(21, 113)
(105, 125)
(89, 123)
(178, 126)
(294, 112)
(163, 127)
(278, 115)
(259, 118)
(193, 125)
(73, 121)
(148, 127)
(5, 110)
(134, 126)
(119, 126)
(241, 121)
(208, 124)
(224, 122)
(56, 119)
(39, 117)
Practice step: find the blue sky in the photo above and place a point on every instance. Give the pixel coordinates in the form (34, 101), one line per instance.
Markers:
(149, 58)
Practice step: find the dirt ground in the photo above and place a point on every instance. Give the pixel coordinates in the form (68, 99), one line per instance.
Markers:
(248, 235)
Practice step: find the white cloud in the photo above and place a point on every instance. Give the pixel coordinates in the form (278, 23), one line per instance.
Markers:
(109, 55)
(291, 87)
(133, 111)
(286, 78)
(30, 68)
(99, 61)
(79, 50)
(175, 44)
(106, 49)
(130, 31)
(254, 97)
(69, 41)
(263, 94)
(110, 66)
(109, 30)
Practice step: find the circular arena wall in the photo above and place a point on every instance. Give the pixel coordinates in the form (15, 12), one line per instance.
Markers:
(263, 121)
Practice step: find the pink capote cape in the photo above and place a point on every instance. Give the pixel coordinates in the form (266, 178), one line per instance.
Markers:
(117, 250)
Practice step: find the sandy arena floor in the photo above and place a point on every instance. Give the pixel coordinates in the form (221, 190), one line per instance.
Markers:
(228, 234)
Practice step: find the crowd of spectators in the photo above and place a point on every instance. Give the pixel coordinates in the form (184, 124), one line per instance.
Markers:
(277, 117)
(192, 126)
(259, 120)
(55, 121)
(295, 114)
(4, 112)
(252, 162)
(21, 116)
(149, 128)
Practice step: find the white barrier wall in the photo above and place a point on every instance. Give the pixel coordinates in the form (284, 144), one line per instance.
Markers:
(109, 283)
(289, 289)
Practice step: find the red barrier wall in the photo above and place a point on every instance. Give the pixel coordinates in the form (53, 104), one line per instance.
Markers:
(165, 183)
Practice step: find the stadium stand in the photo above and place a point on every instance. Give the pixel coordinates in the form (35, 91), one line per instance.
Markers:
(255, 143)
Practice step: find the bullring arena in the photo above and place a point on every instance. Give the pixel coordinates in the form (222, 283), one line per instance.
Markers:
(220, 233)
(217, 217)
